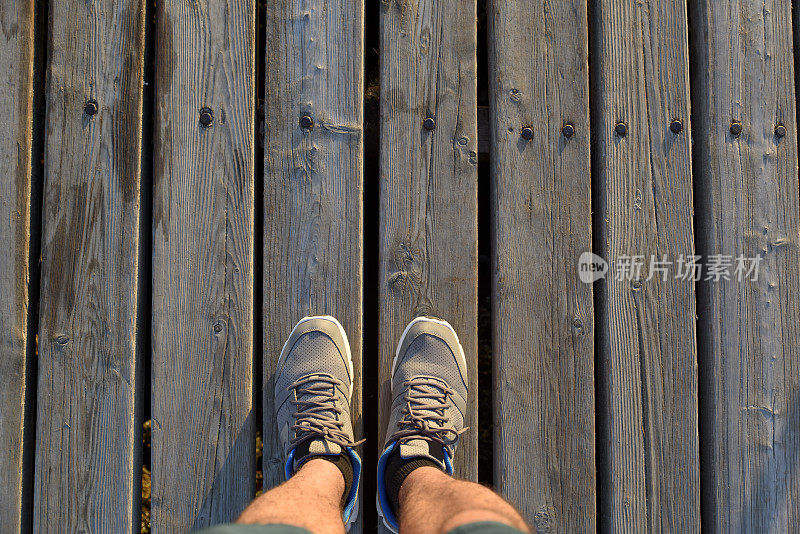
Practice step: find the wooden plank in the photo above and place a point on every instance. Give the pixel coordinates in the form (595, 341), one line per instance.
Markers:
(16, 94)
(543, 314)
(484, 134)
(648, 331)
(428, 197)
(748, 204)
(87, 466)
(202, 326)
(313, 184)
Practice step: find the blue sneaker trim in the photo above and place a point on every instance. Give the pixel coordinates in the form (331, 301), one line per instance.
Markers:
(288, 467)
(350, 503)
(448, 467)
(383, 499)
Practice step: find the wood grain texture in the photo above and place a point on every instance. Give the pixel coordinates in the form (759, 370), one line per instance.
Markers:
(543, 314)
(86, 462)
(428, 196)
(648, 325)
(313, 185)
(202, 323)
(748, 204)
(16, 93)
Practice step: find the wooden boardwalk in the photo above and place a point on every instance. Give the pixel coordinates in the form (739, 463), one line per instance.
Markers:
(186, 179)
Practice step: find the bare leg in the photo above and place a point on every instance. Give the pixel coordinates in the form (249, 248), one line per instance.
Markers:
(310, 499)
(432, 502)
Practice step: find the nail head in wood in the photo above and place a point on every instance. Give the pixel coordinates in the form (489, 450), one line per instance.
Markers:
(736, 128)
(429, 123)
(206, 117)
(526, 132)
(91, 107)
(676, 127)
(780, 131)
(568, 130)
(621, 129)
(306, 122)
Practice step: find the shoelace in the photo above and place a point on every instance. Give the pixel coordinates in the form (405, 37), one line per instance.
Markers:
(312, 417)
(424, 414)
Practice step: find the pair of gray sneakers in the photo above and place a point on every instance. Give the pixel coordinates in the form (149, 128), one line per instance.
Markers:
(314, 386)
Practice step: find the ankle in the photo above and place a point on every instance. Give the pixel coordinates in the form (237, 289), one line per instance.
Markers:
(424, 476)
(398, 470)
(327, 477)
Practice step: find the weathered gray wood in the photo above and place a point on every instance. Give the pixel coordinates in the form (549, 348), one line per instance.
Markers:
(748, 204)
(428, 197)
(203, 443)
(484, 133)
(16, 93)
(313, 184)
(543, 314)
(86, 465)
(649, 348)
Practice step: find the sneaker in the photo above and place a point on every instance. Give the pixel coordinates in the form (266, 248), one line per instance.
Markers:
(429, 392)
(313, 388)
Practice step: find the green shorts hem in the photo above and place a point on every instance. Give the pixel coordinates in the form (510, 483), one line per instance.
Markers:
(485, 527)
(236, 528)
(481, 527)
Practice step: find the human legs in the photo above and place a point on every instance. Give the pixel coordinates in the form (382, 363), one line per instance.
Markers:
(313, 388)
(416, 492)
(311, 499)
(432, 502)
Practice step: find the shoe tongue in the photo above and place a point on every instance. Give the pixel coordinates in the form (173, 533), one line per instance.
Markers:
(420, 448)
(315, 447)
(321, 446)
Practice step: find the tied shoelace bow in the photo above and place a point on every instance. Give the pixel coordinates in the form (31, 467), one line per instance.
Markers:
(313, 416)
(424, 414)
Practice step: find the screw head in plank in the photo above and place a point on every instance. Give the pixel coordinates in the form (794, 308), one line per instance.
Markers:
(206, 117)
(306, 122)
(526, 132)
(91, 107)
